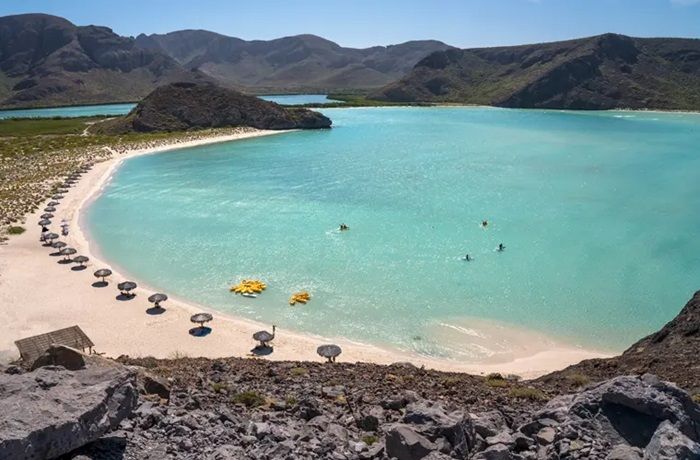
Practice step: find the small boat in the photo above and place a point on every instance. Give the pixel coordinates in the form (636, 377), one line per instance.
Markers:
(246, 294)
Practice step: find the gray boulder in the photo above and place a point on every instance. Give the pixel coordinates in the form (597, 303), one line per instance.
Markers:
(52, 411)
(668, 443)
(404, 443)
(433, 422)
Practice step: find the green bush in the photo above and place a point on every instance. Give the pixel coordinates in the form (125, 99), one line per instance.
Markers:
(533, 394)
(15, 230)
(578, 379)
(369, 439)
(298, 371)
(249, 399)
(496, 380)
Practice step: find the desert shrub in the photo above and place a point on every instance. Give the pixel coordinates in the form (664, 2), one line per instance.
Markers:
(578, 379)
(369, 439)
(533, 394)
(15, 230)
(298, 371)
(249, 399)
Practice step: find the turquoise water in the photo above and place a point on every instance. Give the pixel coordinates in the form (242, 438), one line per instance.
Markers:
(598, 212)
(298, 99)
(73, 111)
(122, 109)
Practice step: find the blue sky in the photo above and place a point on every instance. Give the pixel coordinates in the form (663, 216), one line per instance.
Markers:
(361, 23)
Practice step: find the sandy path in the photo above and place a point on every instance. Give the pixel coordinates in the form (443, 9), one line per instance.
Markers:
(38, 294)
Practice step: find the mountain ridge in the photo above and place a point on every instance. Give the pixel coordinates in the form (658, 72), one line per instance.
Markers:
(601, 72)
(304, 62)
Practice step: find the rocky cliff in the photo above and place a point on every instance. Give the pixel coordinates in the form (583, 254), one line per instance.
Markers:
(603, 72)
(187, 106)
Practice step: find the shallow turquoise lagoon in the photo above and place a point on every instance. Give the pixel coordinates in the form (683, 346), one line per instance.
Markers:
(598, 212)
(123, 109)
(72, 111)
(298, 99)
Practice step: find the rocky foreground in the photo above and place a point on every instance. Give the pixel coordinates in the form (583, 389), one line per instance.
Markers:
(71, 406)
(253, 409)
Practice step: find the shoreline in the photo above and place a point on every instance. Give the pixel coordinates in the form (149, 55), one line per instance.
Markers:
(37, 296)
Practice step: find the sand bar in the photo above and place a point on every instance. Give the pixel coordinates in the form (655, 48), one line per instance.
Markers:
(38, 294)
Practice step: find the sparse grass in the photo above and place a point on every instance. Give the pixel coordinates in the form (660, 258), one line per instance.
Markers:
(578, 379)
(298, 371)
(23, 127)
(177, 354)
(219, 387)
(369, 439)
(696, 398)
(290, 401)
(451, 381)
(149, 362)
(249, 399)
(533, 394)
(496, 380)
(15, 230)
(341, 400)
(513, 377)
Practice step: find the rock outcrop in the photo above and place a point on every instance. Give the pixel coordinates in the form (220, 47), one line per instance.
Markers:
(52, 411)
(187, 106)
(604, 72)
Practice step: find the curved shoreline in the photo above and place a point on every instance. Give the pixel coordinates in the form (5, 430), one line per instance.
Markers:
(40, 296)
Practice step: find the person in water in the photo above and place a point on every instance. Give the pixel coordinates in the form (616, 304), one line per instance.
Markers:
(485, 223)
(344, 227)
(467, 258)
(501, 247)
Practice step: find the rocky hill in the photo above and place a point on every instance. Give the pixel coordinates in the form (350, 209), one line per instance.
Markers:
(298, 63)
(191, 106)
(46, 60)
(603, 72)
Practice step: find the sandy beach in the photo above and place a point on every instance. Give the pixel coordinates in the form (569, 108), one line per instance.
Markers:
(38, 294)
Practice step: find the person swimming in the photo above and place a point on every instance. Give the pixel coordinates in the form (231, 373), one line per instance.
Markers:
(344, 227)
(501, 247)
(484, 223)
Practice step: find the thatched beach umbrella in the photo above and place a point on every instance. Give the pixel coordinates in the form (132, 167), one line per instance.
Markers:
(67, 252)
(80, 259)
(125, 287)
(49, 209)
(265, 337)
(330, 352)
(59, 245)
(44, 222)
(103, 273)
(50, 236)
(157, 298)
(62, 190)
(53, 203)
(46, 215)
(57, 197)
(201, 318)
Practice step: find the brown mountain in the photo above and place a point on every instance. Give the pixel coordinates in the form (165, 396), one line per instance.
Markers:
(190, 106)
(301, 63)
(46, 60)
(603, 72)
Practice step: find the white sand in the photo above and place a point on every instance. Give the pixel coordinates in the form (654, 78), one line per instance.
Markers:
(38, 294)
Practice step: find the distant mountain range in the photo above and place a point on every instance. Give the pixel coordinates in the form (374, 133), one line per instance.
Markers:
(603, 72)
(299, 63)
(46, 60)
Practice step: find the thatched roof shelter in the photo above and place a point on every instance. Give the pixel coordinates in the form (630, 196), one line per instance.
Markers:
(31, 348)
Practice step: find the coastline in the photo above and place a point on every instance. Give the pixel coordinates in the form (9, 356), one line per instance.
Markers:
(38, 295)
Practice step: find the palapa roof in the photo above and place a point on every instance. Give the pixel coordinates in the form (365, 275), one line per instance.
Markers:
(33, 347)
